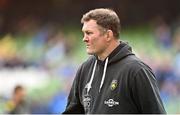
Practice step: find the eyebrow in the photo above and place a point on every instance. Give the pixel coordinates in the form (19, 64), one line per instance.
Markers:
(83, 30)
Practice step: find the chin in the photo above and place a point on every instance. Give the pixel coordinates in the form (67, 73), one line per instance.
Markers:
(90, 52)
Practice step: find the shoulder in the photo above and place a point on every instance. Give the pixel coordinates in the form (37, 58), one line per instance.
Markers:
(84, 70)
(90, 61)
(141, 71)
(9, 105)
(135, 64)
(85, 66)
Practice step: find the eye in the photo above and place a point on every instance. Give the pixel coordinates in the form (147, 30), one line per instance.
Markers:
(88, 33)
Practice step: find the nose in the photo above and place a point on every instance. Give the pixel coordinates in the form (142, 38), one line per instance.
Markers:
(85, 38)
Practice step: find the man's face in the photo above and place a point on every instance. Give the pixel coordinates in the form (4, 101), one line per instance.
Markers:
(20, 95)
(94, 38)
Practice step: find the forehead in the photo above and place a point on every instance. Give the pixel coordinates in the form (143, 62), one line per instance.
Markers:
(90, 25)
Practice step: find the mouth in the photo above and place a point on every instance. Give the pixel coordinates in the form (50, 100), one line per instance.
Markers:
(87, 46)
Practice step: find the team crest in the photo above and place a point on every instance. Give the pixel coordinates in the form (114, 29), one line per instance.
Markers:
(114, 84)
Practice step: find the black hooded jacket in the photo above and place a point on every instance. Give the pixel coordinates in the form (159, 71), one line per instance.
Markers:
(120, 84)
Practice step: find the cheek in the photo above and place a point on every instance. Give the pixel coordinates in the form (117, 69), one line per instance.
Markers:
(100, 43)
(103, 43)
(97, 42)
(93, 40)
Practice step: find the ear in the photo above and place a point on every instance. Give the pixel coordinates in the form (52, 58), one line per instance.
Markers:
(109, 35)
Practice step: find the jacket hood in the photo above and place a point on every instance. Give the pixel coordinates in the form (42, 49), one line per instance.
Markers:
(120, 52)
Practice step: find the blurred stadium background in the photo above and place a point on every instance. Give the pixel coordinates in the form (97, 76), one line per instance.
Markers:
(41, 46)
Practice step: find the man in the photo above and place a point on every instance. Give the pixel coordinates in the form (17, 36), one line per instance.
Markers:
(113, 80)
(18, 105)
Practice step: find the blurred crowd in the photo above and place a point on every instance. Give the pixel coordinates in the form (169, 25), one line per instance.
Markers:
(43, 47)
(165, 61)
(48, 47)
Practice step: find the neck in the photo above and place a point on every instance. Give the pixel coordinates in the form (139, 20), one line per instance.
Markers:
(108, 50)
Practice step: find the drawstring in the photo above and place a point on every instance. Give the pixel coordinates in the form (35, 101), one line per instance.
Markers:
(88, 86)
(104, 73)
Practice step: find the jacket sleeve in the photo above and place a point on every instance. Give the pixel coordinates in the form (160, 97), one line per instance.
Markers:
(73, 105)
(146, 92)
